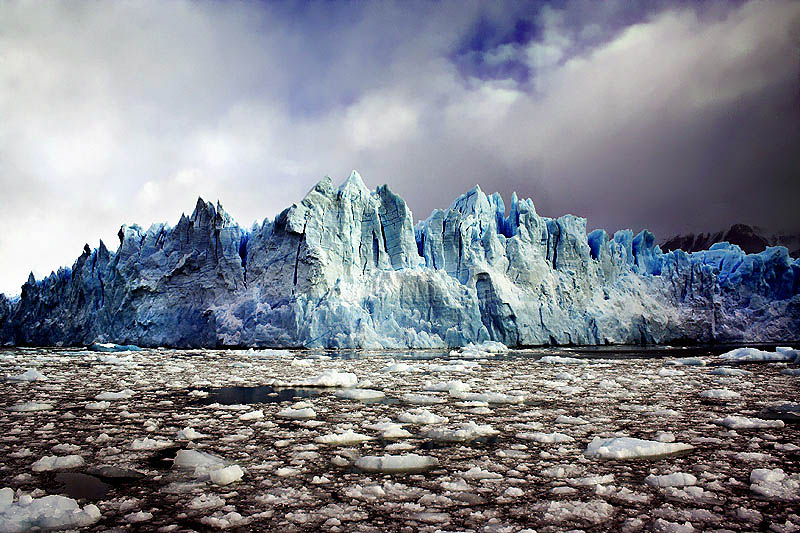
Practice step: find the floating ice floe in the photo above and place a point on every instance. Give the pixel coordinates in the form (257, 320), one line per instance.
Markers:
(98, 406)
(484, 349)
(395, 464)
(48, 512)
(360, 394)
(252, 415)
(489, 397)
(29, 375)
(147, 444)
(632, 448)
(122, 395)
(594, 511)
(448, 386)
(52, 462)
(571, 420)
(28, 407)
(463, 433)
(226, 475)
(726, 371)
(421, 416)
(686, 361)
(298, 411)
(678, 479)
(421, 399)
(743, 422)
(331, 378)
(476, 473)
(111, 347)
(400, 367)
(720, 394)
(389, 429)
(559, 360)
(775, 484)
(346, 438)
(756, 355)
(202, 464)
(545, 438)
(458, 366)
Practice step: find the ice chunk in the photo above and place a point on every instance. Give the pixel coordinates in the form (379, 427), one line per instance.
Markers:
(360, 394)
(53, 462)
(27, 407)
(546, 438)
(29, 375)
(631, 448)
(743, 422)
(297, 414)
(725, 371)
(346, 438)
(252, 415)
(111, 347)
(200, 462)
(122, 395)
(332, 378)
(393, 464)
(756, 355)
(464, 432)
(476, 473)
(775, 484)
(226, 475)
(720, 394)
(150, 444)
(189, 433)
(421, 416)
(46, 513)
(678, 479)
(489, 397)
(559, 360)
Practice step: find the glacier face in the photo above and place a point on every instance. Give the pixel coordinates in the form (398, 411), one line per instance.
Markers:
(346, 267)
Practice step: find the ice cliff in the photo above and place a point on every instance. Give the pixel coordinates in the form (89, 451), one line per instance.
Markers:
(347, 267)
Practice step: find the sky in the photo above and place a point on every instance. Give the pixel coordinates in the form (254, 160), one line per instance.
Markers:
(666, 115)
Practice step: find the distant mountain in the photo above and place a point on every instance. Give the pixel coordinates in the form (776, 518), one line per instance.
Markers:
(751, 239)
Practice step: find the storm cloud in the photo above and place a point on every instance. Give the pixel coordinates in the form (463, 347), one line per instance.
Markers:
(673, 116)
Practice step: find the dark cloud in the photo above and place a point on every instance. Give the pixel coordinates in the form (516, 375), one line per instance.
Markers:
(672, 116)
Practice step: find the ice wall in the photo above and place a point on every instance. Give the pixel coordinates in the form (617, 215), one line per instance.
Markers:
(346, 267)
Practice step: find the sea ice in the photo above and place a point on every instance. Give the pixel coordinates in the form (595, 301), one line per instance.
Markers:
(226, 475)
(360, 394)
(775, 484)
(743, 422)
(122, 395)
(53, 462)
(48, 512)
(678, 479)
(756, 355)
(27, 407)
(631, 448)
(29, 375)
(346, 438)
(393, 464)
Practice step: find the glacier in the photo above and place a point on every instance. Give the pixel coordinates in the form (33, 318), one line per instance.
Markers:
(347, 268)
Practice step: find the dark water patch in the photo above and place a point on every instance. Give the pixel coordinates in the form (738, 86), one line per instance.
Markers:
(114, 472)
(789, 412)
(83, 486)
(163, 459)
(251, 395)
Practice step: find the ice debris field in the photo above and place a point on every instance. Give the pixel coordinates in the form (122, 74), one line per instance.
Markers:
(473, 440)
